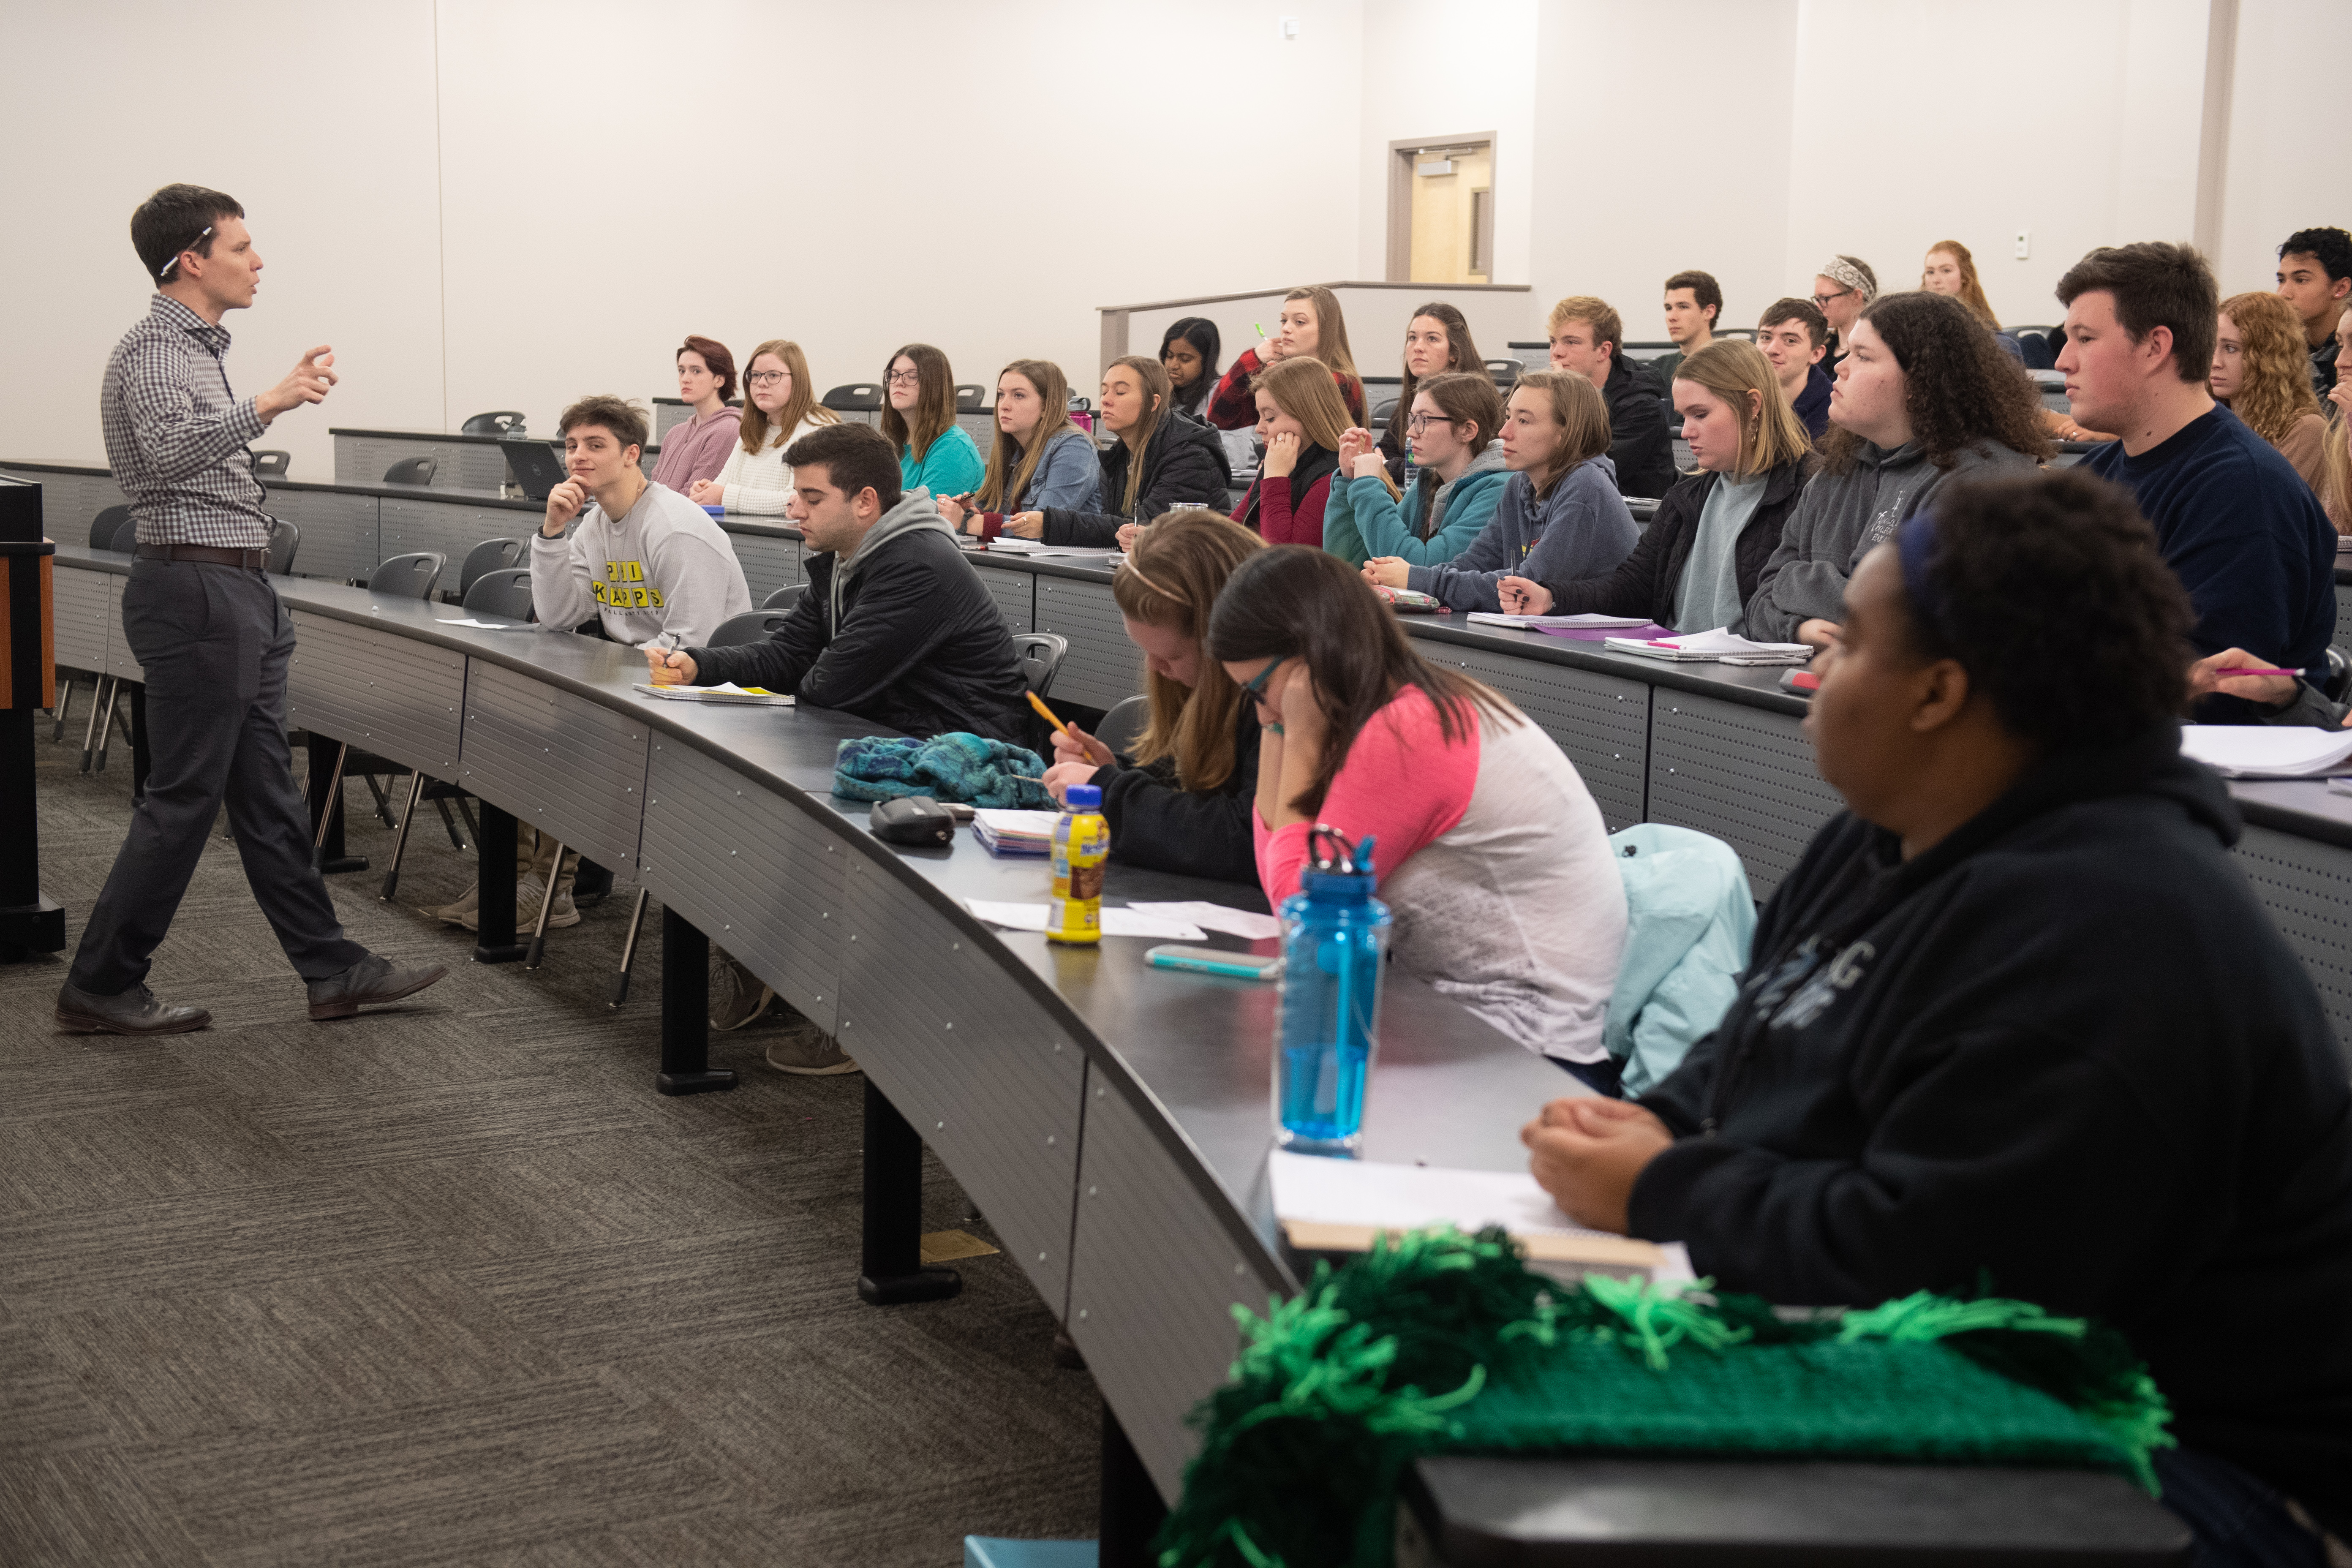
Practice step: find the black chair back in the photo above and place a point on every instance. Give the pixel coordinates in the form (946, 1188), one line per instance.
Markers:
(1041, 656)
(971, 398)
(489, 555)
(408, 576)
(501, 591)
(1124, 723)
(126, 536)
(857, 398)
(1506, 372)
(785, 597)
(106, 525)
(285, 539)
(497, 421)
(751, 625)
(412, 471)
(268, 466)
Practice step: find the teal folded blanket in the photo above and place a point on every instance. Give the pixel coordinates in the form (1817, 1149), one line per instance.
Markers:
(946, 767)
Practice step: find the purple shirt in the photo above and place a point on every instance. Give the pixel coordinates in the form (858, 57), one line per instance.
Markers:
(698, 449)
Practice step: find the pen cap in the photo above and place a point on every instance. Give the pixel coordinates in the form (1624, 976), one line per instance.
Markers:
(1082, 797)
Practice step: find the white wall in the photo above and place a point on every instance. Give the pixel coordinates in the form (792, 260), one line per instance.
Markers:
(2288, 164)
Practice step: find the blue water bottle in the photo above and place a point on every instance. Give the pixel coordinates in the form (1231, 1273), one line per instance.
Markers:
(1335, 942)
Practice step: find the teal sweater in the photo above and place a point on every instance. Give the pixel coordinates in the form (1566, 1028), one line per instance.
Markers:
(952, 467)
(1360, 521)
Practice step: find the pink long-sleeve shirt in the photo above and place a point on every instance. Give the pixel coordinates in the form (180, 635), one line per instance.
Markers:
(1494, 862)
(698, 449)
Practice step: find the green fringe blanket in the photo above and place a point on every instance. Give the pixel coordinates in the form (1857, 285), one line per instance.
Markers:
(1439, 1342)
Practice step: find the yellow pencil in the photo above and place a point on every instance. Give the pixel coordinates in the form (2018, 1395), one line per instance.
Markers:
(1047, 714)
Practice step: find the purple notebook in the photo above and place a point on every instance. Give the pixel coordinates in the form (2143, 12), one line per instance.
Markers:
(1598, 634)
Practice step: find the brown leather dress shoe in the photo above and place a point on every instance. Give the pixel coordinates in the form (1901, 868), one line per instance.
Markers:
(132, 1012)
(370, 982)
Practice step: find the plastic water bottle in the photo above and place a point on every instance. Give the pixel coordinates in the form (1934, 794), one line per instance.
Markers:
(1335, 944)
(1081, 845)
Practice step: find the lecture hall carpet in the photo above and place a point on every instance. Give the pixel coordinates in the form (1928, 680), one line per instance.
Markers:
(451, 1284)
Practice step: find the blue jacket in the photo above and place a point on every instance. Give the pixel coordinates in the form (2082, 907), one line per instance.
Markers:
(1360, 521)
(1067, 476)
(1689, 920)
(1581, 530)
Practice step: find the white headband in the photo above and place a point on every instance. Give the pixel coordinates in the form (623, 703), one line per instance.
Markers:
(1840, 270)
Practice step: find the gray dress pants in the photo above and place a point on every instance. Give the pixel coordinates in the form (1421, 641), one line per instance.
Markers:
(214, 641)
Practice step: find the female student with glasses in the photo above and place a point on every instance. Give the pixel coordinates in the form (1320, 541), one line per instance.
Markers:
(919, 417)
(1458, 476)
(780, 407)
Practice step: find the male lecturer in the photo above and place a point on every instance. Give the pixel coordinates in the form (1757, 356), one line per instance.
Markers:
(208, 630)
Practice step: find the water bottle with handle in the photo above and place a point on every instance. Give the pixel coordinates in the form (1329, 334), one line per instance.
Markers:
(1335, 942)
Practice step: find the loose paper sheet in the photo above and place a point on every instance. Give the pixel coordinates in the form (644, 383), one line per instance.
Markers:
(1216, 917)
(1115, 921)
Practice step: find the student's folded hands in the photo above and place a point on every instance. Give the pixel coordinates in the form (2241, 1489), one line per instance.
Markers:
(1386, 570)
(1586, 1152)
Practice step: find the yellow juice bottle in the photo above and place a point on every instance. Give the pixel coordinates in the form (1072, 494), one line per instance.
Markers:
(1081, 845)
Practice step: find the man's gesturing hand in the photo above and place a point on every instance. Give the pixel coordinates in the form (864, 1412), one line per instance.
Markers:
(308, 382)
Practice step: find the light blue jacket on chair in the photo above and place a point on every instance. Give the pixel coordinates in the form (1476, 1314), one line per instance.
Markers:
(1690, 919)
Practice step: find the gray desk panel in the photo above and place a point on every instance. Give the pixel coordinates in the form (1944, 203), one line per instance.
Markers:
(1742, 773)
(118, 658)
(1103, 667)
(2308, 887)
(972, 1060)
(339, 532)
(2342, 638)
(574, 769)
(980, 427)
(756, 873)
(452, 528)
(769, 562)
(1601, 722)
(82, 612)
(1015, 594)
(459, 465)
(383, 692)
(1153, 1284)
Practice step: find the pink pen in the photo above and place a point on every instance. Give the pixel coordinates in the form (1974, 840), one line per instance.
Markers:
(1656, 643)
(2225, 674)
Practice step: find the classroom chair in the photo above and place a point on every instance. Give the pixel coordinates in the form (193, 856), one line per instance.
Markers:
(412, 471)
(785, 597)
(1042, 654)
(269, 464)
(285, 539)
(489, 555)
(497, 421)
(411, 576)
(1124, 724)
(751, 625)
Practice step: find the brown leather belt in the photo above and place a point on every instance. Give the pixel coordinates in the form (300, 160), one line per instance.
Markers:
(251, 560)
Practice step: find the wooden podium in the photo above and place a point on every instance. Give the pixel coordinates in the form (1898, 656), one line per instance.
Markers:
(29, 922)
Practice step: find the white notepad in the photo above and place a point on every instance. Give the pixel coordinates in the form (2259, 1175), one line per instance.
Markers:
(1721, 646)
(1589, 623)
(1115, 921)
(2267, 750)
(726, 692)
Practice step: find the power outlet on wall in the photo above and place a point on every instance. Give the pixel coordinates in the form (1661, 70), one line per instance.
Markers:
(2024, 243)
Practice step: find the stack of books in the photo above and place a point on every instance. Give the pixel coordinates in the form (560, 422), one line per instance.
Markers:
(1015, 832)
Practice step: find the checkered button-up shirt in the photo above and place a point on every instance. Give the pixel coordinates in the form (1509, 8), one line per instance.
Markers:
(176, 436)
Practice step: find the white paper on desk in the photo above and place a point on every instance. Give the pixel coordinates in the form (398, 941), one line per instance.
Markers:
(1115, 921)
(1589, 622)
(2267, 751)
(1324, 1191)
(487, 625)
(1018, 823)
(1216, 917)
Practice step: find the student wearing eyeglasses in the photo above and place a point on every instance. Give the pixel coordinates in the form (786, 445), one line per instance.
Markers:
(1458, 476)
(918, 414)
(1841, 290)
(781, 408)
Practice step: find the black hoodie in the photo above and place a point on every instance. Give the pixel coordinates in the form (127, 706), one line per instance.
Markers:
(1184, 464)
(2064, 1053)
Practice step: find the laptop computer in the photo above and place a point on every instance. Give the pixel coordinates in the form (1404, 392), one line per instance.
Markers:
(535, 466)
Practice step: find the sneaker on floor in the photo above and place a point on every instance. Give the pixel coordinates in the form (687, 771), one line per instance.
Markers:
(460, 913)
(804, 1049)
(468, 911)
(737, 995)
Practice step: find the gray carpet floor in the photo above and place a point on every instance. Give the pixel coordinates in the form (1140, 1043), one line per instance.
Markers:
(451, 1283)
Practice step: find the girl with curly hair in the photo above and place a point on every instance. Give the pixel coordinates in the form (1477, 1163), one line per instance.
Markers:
(2262, 374)
(1924, 395)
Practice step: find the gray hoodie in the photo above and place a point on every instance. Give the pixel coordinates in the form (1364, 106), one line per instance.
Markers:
(1840, 519)
(1580, 530)
(915, 513)
(662, 576)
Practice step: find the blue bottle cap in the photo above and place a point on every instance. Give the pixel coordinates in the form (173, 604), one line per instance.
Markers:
(1082, 797)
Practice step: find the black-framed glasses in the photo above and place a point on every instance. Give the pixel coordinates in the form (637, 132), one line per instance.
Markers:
(1823, 300)
(904, 377)
(1420, 422)
(765, 377)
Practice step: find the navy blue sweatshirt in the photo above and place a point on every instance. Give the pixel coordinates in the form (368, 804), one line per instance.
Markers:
(2065, 1049)
(2244, 534)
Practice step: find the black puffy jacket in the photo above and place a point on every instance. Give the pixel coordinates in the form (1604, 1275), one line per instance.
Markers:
(1184, 464)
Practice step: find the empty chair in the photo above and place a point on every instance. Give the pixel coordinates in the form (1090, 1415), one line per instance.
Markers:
(412, 471)
(106, 525)
(1506, 372)
(489, 555)
(285, 539)
(785, 597)
(751, 625)
(857, 398)
(971, 398)
(497, 421)
(1124, 723)
(501, 591)
(408, 576)
(268, 466)
(1041, 656)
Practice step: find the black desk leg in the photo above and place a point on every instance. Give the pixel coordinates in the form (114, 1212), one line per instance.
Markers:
(1131, 1509)
(494, 888)
(685, 1010)
(331, 856)
(890, 1270)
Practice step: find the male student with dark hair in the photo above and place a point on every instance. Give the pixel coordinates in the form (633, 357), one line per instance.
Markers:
(1588, 338)
(1794, 335)
(1694, 304)
(2016, 1024)
(2314, 276)
(211, 636)
(2234, 521)
(895, 627)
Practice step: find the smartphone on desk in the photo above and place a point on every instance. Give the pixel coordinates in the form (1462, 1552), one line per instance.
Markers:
(1215, 961)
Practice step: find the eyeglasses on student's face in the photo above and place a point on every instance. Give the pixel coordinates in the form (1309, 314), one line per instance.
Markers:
(1420, 422)
(904, 377)
(1823, 300)
(766, 377)
(1255, 687)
